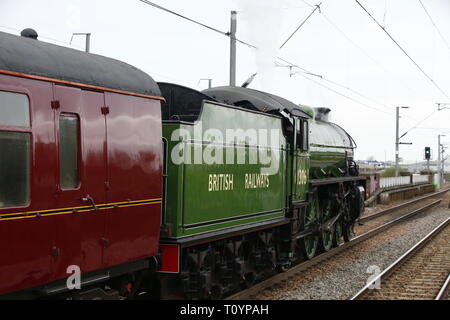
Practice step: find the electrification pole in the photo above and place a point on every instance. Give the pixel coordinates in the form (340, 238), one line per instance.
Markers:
(439, 160)
(233, 48)
(397, 139)
(442, 106)
(442, 162)
(440, 156)
(88, 40)
(397, 117)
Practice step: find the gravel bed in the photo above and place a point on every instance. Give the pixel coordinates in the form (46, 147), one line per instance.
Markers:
(344, 275)
(378, 221)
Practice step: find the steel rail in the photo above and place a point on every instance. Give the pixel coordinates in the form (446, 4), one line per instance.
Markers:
(400, 206)
(444, 290)
(294, 271)
(406, 256)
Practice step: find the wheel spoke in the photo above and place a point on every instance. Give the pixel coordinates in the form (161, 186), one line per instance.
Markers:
(309, 243)
(338, 235)
(327, 236)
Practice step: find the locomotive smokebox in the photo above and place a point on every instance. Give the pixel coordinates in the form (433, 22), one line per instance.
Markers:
(29, 33)
(322, 114)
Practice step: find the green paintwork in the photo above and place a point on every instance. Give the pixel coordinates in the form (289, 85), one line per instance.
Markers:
(311, 219)
(327, 236)
(194, 205)
(209, 195)
(329, 148)
(308, 110)
(338, 237)
(300, 170)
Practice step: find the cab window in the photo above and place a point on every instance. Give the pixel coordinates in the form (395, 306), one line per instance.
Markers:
(302, 135)
(305, 135)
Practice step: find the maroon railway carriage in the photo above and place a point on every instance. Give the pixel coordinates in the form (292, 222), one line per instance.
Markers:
(80, 169)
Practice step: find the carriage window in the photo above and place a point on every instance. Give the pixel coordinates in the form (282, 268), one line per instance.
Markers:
(14, 169)
(14, 150)
(14, 110)
(68, 151)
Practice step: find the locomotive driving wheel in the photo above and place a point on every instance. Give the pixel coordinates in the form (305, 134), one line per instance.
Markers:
(349, 232)
(327, 234)
(338, 234)
(310, 243)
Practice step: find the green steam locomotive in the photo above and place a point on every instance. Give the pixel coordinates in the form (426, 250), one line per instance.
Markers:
(253, 183)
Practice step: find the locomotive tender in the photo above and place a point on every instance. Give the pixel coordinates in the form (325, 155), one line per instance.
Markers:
(155, 187)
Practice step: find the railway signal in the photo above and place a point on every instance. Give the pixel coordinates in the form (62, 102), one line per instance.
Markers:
(428, 157)
(427, 153)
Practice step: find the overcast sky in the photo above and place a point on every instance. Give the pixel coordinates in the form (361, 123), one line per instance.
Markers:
(364, 75)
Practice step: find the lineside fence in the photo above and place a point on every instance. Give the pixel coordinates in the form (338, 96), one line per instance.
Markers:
(405, 180)
(382, 190)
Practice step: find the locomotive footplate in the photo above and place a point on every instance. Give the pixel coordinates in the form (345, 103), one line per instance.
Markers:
(319, 182)
(206, 237)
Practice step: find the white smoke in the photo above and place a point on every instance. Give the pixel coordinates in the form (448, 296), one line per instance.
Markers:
(260, 21)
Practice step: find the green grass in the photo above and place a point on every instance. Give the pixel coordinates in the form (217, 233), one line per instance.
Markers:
(390, 172)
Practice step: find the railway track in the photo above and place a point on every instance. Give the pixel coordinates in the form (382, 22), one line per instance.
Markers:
(421, 273)
(444, 293)
(372, 221)
(298, 269)
(400, 206)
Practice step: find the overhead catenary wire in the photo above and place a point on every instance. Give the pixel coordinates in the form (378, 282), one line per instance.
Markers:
(44, 37)
(367, 55)
(404, 51)
(70, 44)
(227, 34)
(421, 121)
(307, 72)
(364, 52)
(243, 42)
(431, 128)
(317, 7)
(434, 25)
(343, 95)
(355, 92)
(183, 17)
(279, 58)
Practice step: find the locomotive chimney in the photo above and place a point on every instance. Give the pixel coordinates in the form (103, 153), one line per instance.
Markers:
(29, 33)
(322, 114)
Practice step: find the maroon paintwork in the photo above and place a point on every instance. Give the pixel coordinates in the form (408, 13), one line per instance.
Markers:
(120, 161)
